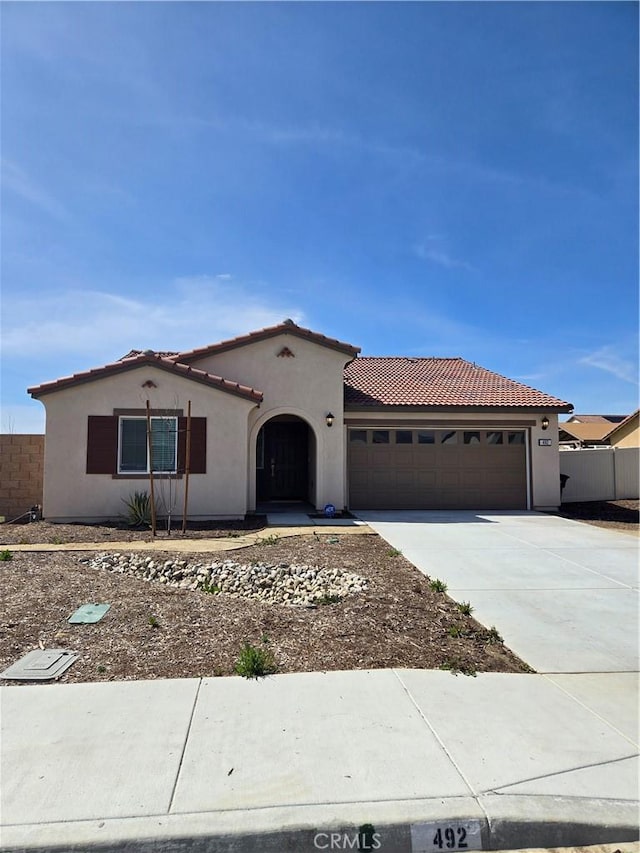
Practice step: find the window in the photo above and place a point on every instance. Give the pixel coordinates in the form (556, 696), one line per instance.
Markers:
(450, 437)
(404, 436)
(494, 438)
(472, 438)
(380, 436)
(426, 436)
(133, 447)
(358, 436)
(515, 437)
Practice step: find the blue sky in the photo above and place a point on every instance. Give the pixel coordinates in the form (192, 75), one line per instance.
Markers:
(456, 179)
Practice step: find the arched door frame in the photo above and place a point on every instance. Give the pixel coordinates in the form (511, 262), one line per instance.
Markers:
(253, 438)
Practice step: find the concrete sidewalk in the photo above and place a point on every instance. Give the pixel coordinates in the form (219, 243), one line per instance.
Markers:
(279, 764)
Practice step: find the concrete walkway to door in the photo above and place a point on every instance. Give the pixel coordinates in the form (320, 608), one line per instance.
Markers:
(563, 594)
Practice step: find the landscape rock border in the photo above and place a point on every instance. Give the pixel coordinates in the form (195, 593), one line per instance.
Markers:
(271, 583)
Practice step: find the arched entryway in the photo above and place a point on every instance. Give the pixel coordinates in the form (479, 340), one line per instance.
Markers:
(285, 460)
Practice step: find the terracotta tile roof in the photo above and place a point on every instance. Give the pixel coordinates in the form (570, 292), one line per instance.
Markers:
(288, 327)
(437, 383)
(163, 353)
(143, 359)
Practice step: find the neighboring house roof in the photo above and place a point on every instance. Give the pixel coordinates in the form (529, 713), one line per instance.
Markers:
(592, 419)
(288, 327)
(437, 382)
(624, 423)
(148, 359)
(584, 432)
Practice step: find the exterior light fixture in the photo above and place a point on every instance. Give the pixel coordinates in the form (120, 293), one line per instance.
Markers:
(545, 422)
(329, 419)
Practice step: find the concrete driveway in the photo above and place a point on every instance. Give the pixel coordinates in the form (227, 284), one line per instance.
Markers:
(563, 594)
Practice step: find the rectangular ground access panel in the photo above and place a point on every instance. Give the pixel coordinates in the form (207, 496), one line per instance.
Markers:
(40, 665)
(88, 614)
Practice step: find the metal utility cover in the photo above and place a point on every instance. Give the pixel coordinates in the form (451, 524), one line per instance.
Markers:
(88, 613)
(40, 665)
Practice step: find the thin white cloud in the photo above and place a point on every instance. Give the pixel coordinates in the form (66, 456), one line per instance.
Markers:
(607, 358)
(434, 249)
(102, 326)
(18, 182)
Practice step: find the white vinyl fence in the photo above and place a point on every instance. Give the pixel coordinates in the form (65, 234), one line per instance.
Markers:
(607, 474)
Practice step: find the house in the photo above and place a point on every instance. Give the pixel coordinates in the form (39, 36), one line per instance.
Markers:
(595, 419)
(591, 431)
(627, 432)
(285, 414)
(578, 434)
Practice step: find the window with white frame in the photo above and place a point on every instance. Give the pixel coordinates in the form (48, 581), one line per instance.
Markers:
(133, 456)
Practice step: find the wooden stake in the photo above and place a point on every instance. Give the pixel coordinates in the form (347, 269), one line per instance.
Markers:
(151, 490)
(187, 466)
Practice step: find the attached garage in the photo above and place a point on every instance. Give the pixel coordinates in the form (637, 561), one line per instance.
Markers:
(437, 468)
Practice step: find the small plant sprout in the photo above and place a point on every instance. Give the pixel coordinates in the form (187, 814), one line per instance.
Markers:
(455, 631)
(465, 608)
(153, 622)
(269, 540)
(437, 585)
(456, 666)
(394, 552)
(493, 635)
(254, 662)
(6, 555)
(211, 588)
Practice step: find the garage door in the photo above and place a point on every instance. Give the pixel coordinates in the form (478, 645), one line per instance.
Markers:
(437, 469)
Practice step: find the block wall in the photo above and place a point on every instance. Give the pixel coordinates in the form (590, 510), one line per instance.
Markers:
(21, 468)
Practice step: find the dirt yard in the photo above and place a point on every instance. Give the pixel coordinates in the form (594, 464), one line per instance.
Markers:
(152, 631)
(616, 515)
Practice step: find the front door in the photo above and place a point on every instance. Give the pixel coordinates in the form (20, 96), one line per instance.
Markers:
(284, 474)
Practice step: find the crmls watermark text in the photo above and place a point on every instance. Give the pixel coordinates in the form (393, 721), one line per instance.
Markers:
(347, 841)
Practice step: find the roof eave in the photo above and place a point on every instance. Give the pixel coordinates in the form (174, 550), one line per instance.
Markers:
(168, 365)
(264, 334)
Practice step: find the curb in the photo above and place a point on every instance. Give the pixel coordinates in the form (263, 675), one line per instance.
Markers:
(498, 823)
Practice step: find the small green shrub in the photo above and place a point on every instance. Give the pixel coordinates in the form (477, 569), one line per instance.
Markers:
(268, 540)
(437, 585)
(211, 588)
(153, 622)
(457, 667)
(6, 555)
(254, 662)
(493, 635)
(455, 631)
(394, 552)
(465, 608)
(328, 598)
(138, 509)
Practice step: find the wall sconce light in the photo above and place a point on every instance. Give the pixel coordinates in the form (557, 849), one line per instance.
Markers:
(545, 422)
(329, 419)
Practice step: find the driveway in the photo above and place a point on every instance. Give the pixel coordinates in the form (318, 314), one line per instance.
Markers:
(563, 594)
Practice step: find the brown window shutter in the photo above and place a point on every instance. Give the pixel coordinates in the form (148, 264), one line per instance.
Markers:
(198, 445)
(102, 444)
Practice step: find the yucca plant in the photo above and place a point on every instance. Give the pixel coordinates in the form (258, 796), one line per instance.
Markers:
(138, 509)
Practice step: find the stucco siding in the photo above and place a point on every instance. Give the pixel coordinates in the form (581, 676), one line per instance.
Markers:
(69, 492)
(308, 384)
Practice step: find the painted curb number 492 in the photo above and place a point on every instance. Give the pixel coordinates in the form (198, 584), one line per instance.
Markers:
(442, 836)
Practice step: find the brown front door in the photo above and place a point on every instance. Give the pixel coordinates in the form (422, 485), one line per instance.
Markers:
(284, 475)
